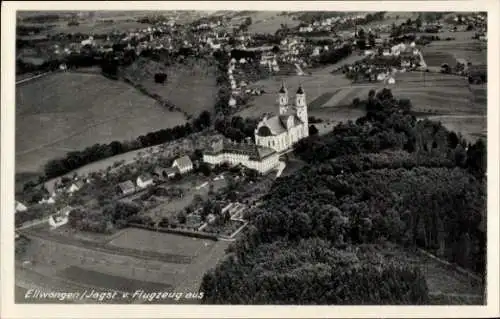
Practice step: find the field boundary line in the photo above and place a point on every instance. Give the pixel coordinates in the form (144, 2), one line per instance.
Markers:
(455, 267)
(110, 250)
(34, 77)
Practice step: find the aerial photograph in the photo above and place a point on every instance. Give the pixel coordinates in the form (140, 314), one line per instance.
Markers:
(250, 157)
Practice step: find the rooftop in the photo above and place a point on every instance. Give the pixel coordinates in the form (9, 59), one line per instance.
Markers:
(255, 152)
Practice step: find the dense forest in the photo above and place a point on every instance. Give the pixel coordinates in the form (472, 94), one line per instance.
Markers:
(336, 232)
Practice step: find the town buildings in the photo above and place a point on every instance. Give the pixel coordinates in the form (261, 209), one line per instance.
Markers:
(281, 132)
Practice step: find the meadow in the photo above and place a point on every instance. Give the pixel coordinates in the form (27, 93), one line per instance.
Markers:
(191, 87)
(463, 47)
(74, 267)
(448, 98)
(161, 242)
(270, 22)
(62, 112)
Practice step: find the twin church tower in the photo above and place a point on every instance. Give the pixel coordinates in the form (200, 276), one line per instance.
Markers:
(282, 131)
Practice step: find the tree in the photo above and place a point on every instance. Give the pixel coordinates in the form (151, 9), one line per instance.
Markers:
(313, 130)
(160, 78)
(477, 158)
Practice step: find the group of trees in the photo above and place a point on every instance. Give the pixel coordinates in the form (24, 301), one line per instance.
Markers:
(113, 216)
(335, 55)
(389, 125)
(322, 234)
(236, 128)
(76, 159)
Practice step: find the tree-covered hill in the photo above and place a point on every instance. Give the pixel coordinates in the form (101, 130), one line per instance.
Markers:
(322, 234)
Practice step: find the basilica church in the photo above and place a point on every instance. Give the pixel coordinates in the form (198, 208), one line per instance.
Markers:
(281, 132)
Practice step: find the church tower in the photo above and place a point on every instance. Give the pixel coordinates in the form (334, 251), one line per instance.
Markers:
(283, 99)
(301, 107)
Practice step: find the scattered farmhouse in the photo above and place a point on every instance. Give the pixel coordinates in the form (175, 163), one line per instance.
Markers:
(281, 132)
(183, 164)
(168, 172)
(259, 158)
(60, 218)
(76, 186)
(144, 180)
(126, 187)
(20, 207)
(50, 200)
(210, 218)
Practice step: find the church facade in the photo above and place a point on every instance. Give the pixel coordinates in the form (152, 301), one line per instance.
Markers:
(281, 132)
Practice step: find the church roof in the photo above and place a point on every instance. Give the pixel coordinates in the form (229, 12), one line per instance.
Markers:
(277, 124)
(283, 88)
(300, 90)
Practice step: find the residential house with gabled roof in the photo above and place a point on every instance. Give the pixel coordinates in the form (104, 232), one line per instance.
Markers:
(126, 188)
(144, 180)
(183, 164)
(20, 207)
(61, 217)
(76, 186)
(166, 172)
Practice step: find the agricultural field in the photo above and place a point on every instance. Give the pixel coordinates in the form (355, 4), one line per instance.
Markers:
(471, 50)
(270, 22)
(191, 87)
(315, 85)
(71, 111)
(143, 239)
(459, 106)
(97, 22)
(74, 266)
(441, 278)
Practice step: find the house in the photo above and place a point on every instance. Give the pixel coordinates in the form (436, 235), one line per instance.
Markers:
(60, 218)
(232, 102)
(48, 201)
(193, 219)
(184, 164)
(144, 180)
(210, 218)
(76, 186)
(168, 172)
(20, 207)
(126, 187)
(381, 76)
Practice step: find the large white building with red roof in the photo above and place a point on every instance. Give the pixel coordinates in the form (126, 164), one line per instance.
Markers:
(281, 132)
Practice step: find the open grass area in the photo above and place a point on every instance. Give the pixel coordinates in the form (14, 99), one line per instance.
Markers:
(192, 87)
(71, 111)
(270, 22)
(460, 106)
(463, 47)
(72, 266)
(438, 58)
(110, 282)
(161, 242)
